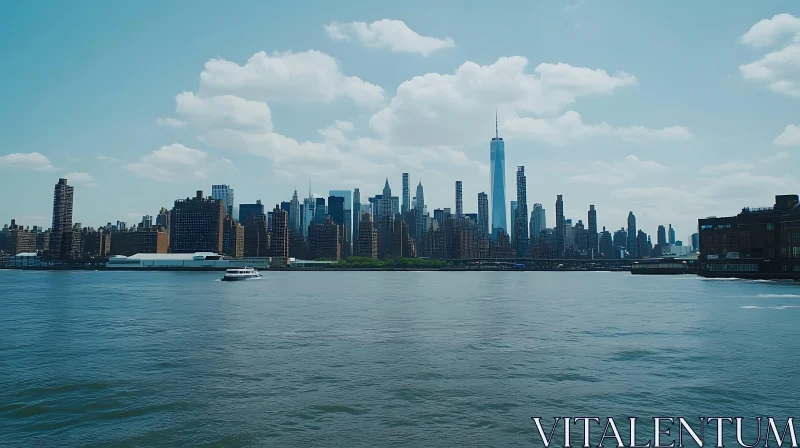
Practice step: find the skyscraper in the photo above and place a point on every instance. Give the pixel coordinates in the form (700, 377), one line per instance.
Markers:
(497, 155)
(196, 225)
(309, 208)
(631, 242)
(592, 231)
(347, 221)
(319, 211)
(521, 222)
(561, 229)
(671, 235)
(246, 210)
(223, 193)
(419, 215)
(294, 213)
(279, 238)
(662, 236)
(483, 215)
(356, 215)
(336, 209)
(459, 201)
(406, 206)
(538, 221)
(513, 207)
(695, 241)
(63, 196)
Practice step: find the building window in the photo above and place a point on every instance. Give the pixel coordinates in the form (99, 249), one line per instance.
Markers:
(770, 226)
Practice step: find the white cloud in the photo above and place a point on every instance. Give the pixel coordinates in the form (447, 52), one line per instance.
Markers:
(437, 109)
(310, 76)
(392, 34)
(767, 31)
(779, 70)
(171, 122)
(81, 179)
(224, 111)
(570, 127)
(617, 172)
(727, 167)
(789, 137)
(177, 162)
(34, 161)
(107, 159)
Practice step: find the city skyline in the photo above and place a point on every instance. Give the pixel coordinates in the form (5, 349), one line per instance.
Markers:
(625, 136)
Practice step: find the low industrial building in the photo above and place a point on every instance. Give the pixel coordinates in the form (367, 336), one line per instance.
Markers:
(208, 261)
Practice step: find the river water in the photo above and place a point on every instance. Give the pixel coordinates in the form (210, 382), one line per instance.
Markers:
(381, 358)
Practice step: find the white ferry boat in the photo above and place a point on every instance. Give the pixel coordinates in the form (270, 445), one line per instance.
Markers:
(241, 274)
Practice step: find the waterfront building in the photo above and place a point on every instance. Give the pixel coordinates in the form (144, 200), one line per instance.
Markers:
(592, 231)
(346, 215)
(466, 243)
(196, 225)
(256, 236)
(367, 240)
(232, 238)
(497, 156)
(561, 229)
(631, 241)
(483, 215)
(147, 222)
(201, 261)
(279, 237)
(436, 244)
(63, 196)
(621, 240)
(459, 200)
(97, 244)
(142, 241)
(245, 210)
(757, 242)
(521, 215)
(223, 193)
(385, 222)
(406, 193)
(581, 239)
(326, 240)
(15, 239)
(320, 211)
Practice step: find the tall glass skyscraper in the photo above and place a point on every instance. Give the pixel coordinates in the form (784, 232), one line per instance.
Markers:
(223, 193)
(497, 154)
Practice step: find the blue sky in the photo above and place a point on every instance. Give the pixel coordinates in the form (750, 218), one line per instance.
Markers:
(675, 110)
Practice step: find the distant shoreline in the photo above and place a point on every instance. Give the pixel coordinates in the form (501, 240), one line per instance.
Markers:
(326, 269)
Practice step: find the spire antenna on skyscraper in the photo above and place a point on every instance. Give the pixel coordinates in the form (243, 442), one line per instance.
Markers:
(496, 131)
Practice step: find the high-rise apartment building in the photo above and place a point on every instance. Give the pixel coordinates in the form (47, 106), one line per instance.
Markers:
(223, 193)
(256, 235)
(356, 215)
(196, 225)
(633, 249)
(459, 200)
(232, 238)
(419, 216)
(326, 240)
(561, 229)
(497, 156)
(279, 237)
(162, 219)
(661, 236)
(63, 196)
(521, 219)
(592, 231)
(367, 240)
(671, 235)
(513, 228)
(406, 205)
(483, 215)
(538, 221)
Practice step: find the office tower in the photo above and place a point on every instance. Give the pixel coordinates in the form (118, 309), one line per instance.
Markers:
(256, 235)
(385, 220)
(63, 196)
(459, 201)
(319, 211)
(438, 216)
(661, 236)
(356, 215)
(347, 215)
(592, 231)
(147, 222)
(246, 210)
(367, 239)
(497, 155)
(162, 220)
(122, 226)
(569, 236)
(538, 221)
(695, 242)
(406, 193)
(419, 215)
(513, 229)
(279, 237)
(581, 238)
(402, 243)
(309, 207)
(483, 215)
(606, 247)
(223, 193)
(395, 205)
(631, 242)
(671, 235)
(642, 244)
(232, 238)
(196, 225)
(621, 241)
(561, 230)
(294, 213)
(336, 209)
(521, 220)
